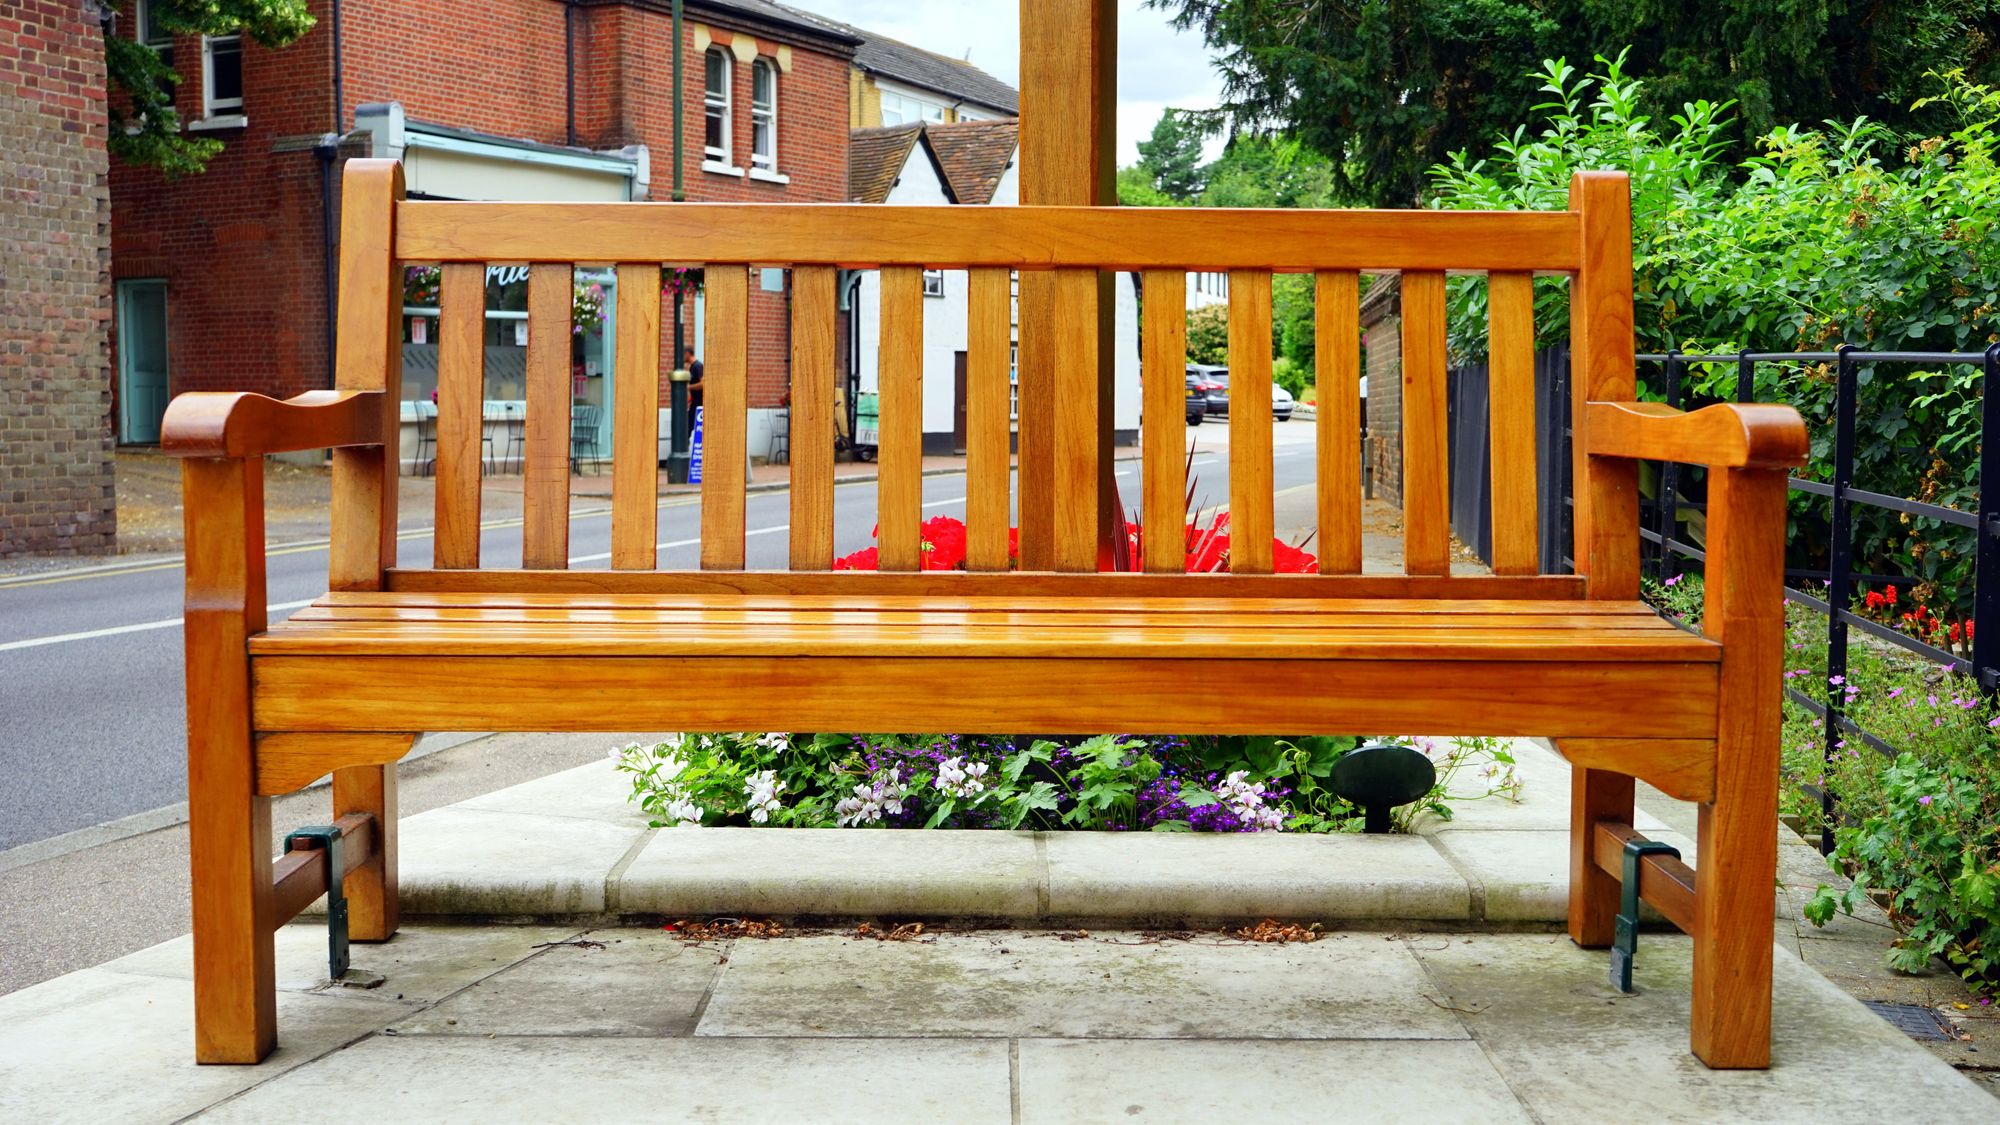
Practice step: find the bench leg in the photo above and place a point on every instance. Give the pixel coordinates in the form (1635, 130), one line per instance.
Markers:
(1594, 795)
(372, 912)
(229, 824)
(1737, 863)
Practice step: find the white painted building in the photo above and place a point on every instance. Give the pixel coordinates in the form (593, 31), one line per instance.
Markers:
(971, 163)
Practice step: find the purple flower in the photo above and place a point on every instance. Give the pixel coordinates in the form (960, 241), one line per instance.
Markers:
(1924, 800)
(1675, 580)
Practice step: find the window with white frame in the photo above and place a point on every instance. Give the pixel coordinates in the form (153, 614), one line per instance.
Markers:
(933, 283)
(222, 75)
(717, 104)
(151, 33)
(901, 109)
(764, 115)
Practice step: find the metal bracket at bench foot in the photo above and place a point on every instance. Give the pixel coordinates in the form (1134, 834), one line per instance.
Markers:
(1626, 944)
(326, 837)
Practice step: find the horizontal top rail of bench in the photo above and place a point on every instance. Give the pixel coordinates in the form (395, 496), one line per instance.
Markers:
(858, 236)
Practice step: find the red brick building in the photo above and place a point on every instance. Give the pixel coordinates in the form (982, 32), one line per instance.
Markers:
(55, 442)
(222, 278)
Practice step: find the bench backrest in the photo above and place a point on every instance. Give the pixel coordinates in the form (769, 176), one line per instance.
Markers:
(1063, 251)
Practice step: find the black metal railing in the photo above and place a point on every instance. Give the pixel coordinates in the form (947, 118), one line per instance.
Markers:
(1663, 550)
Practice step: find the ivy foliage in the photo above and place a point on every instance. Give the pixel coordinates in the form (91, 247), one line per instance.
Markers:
(145, 127)
(1848, 232)
(1390, 87)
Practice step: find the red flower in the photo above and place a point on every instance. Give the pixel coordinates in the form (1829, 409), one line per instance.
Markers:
(1286, 559)
(1892, 595)
(944, 544)
(864, 559)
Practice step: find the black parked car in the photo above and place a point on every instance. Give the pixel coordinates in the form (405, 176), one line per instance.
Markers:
(1197, 400)
(1213, 381)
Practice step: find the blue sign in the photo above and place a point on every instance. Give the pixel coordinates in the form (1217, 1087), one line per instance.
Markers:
(694, 449)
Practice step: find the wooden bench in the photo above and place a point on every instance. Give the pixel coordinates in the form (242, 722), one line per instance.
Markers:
(472, 643)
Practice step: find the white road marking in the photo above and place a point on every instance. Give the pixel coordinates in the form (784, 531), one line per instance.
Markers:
(696, 542)
(117, 630)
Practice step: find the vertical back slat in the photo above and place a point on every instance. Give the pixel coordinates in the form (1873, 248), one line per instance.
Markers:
(1337, 349)
(811, 447)
(1075, 339)
(900, 454)
(1510, 302)
(635, 433)
(365, 478)
(461, 409)
(725, 387)
(1163, 444)
(1426, 484)
(545, 477)
(986, 430)
(1607, 488)
(1250, 491)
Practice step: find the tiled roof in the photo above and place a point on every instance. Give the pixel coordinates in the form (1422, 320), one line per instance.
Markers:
(956, 78)
(974, 155)
(781, 16)
(880, 55)
(874, 157)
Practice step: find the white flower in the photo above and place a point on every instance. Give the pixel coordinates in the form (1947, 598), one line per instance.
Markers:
(775, 740)
(959, 778)
(681, 808)
(881, 793)
(762, 789)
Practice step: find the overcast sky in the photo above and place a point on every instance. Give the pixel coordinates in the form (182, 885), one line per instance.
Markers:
(1157, 66)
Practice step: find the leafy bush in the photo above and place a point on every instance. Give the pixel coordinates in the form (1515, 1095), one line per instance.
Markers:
(1294, 377)
(1208, 334)
(1838, 233)
(1921, 828)
(1109, 782)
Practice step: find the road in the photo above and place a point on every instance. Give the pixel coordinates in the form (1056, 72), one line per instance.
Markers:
(90, 660)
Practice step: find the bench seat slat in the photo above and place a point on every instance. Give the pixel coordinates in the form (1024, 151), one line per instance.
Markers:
(869, 584)
(1526, 609)
(721, 627)
(916, 694)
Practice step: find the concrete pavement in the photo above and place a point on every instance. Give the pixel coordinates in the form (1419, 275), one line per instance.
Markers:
(602, 1017)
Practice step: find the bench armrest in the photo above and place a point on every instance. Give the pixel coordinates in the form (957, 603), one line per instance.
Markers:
(1728, 435)
(240, 424)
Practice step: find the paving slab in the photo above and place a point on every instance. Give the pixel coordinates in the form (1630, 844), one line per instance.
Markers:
(1156, 878)
(605, 983)
(96, 1046)
(1572, 1048)
(834, 872)
(474, 861)
(424, 962)
(1118, 985)
(448, 1078)
(1080, 1082)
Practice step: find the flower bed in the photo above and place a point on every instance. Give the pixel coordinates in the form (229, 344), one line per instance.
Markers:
(1109, 782)
(1920, 830)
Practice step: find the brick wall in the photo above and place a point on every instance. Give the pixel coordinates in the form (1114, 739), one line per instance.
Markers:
(55, 421)
(1384, 344)
(241, 246)
(498, 68)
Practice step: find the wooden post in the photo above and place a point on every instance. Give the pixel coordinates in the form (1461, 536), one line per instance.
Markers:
(1601, 370)
(1606, 515)
(229, 825)
(1069, 86)
(369, 358)
(1737, 835)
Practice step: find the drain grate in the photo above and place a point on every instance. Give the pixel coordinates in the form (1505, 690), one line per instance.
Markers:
(1913, 1020)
